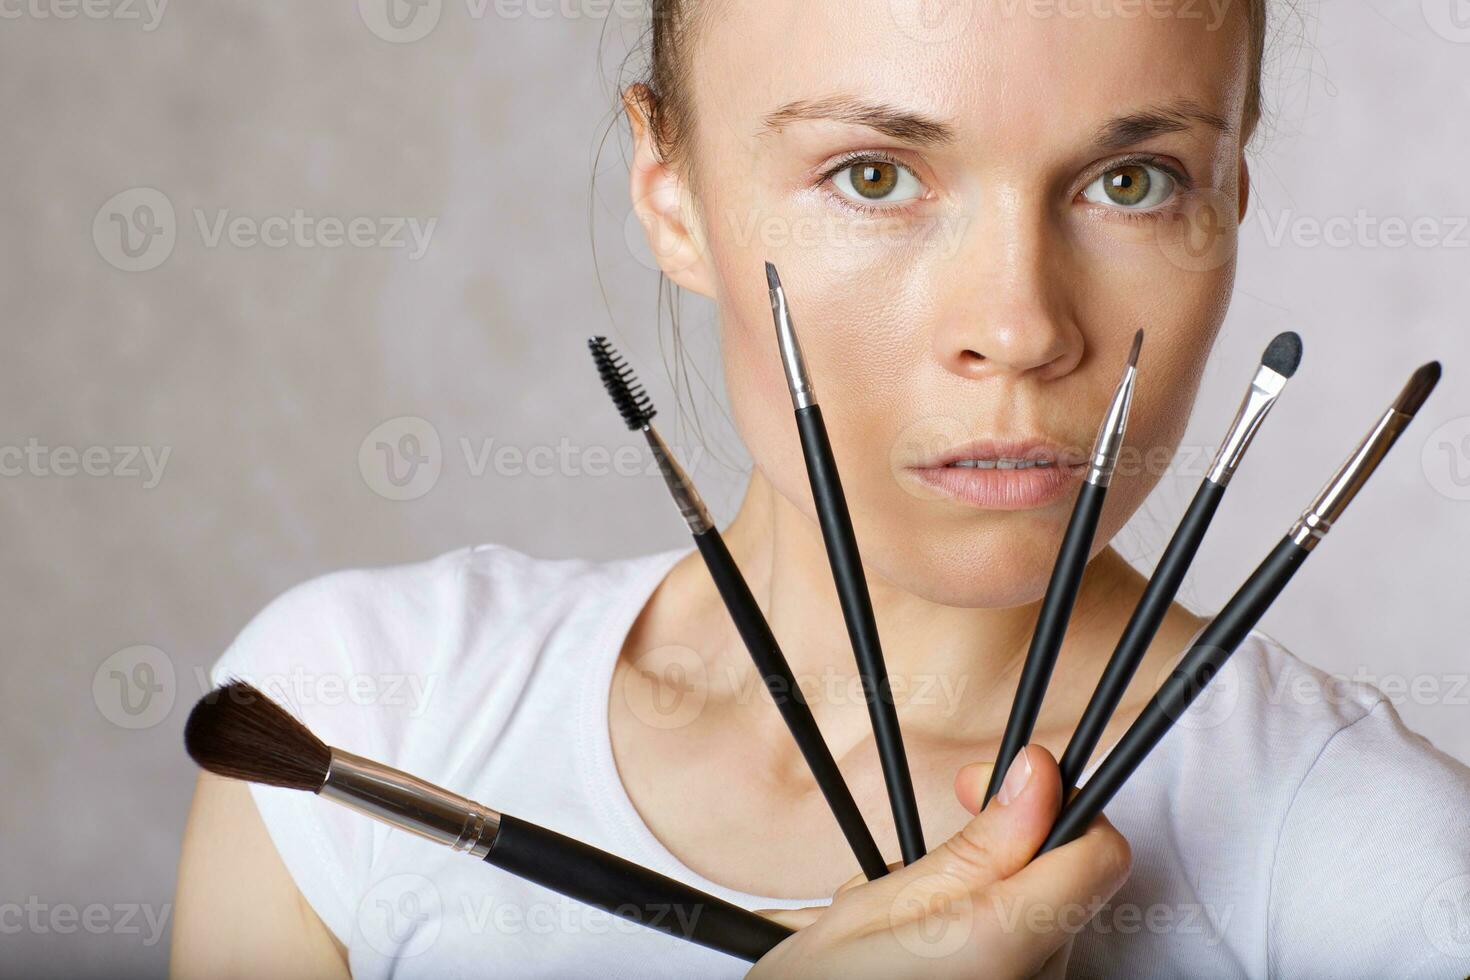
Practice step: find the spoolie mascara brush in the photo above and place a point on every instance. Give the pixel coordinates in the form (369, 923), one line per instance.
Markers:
(847, 573)
(637, 409)
(236, 731)
(1278, 364)
(1227, 630)
(1066, 576)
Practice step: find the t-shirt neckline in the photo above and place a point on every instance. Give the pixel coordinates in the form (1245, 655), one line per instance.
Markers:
(595, 736)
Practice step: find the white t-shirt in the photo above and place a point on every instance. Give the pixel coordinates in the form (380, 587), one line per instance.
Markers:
(1287, 827)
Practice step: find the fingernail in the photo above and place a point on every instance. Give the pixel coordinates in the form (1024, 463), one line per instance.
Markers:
(1017, 776)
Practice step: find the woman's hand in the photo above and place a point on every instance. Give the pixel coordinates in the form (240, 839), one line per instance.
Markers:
(972, 907)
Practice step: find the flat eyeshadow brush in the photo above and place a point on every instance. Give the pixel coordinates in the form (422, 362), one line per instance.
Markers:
(1066, 576)
(847, 574)
(1226, 631)
(637, 409)
(1278, 364)
(236, 731)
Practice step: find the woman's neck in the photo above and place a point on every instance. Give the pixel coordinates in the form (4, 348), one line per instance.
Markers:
(954, 670)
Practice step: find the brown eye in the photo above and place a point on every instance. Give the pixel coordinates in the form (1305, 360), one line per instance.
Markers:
(874, 180)
(877, 181)
(1127, 185)
(1132, 186)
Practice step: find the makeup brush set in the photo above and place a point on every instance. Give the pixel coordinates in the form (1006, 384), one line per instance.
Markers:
(235, 731)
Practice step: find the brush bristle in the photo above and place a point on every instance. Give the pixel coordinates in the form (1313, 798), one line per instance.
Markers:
(773, 279)
(1137, 346)
(1418, 390)
(622, 384)
(1284, 354)
(238, 732)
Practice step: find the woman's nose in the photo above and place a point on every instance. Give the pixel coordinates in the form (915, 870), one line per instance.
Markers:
(1009, 311)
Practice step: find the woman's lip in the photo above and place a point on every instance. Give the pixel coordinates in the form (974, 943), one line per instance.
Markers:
(998, 489)
(992, 449)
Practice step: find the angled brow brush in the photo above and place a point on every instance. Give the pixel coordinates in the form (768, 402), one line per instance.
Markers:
(1066, 576)
(236, 731)
(637, 409)
(1227, 630)
(1278, 364)
(847, 573)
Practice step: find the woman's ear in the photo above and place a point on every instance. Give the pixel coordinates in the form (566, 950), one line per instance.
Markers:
(1245, 188)
(662, 203)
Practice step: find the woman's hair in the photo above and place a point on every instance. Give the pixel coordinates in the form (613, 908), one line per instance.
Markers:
(665, 90)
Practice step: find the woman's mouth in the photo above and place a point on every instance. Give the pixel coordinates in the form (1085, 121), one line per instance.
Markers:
(1003, 477)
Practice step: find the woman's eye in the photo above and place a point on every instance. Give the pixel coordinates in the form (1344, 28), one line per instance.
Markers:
(878, 182)
(1134, 187)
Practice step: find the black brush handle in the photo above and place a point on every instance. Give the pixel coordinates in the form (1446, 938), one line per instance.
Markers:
(1051, 627)
(629, 891)
(1200, 665)
(781, 683)
(862, 628)
(1163, 586)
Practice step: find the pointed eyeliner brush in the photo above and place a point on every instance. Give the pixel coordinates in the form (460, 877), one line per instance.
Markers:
(1278, 364)
(847, 573)
(1066, 576)
(237, 732)
(637, 409)
(1227, 630)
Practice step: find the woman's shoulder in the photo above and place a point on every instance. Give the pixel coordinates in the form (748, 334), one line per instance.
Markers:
(1369, 868)
(364, 650)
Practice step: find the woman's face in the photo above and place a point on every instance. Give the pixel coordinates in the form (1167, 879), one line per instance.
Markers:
(972, 214)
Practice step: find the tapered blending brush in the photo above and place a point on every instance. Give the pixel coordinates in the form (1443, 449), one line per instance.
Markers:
(1227, 630)
(1278, 364)
(1066, 576)
(847, 573)
(637, 409)
(236, 731)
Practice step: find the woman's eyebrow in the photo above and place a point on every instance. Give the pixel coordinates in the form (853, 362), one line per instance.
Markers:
(1177, 116)
(900, 124)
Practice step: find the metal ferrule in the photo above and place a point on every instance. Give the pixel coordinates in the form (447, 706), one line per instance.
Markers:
(409, 803)
(696, 515)
(1110, 437)
(803, 395)
(1265, 389)
(1318, 519)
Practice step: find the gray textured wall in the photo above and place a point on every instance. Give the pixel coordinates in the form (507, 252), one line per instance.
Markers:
(261, 371)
